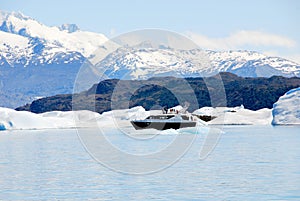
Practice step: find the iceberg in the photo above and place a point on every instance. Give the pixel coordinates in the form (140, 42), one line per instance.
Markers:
(19, 120)
(22, 120)
(286, 110)
(236, 115)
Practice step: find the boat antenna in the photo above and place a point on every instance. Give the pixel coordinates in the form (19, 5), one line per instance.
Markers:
(185, 107)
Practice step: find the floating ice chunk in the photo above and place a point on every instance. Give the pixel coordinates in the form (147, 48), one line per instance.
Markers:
(236, 115)
(286, 110)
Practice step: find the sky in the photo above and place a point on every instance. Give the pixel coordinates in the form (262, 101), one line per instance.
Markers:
(270, 27)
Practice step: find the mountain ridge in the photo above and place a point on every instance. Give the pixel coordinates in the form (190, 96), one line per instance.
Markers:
(253, 93)
(24, 37)
(194, 62)
(45, 61)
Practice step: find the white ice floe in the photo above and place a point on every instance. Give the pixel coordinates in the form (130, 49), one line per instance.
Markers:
(236, 116)
(286, 110)
(15, 120)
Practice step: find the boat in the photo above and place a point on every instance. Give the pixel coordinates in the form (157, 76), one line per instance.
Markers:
(170, 119)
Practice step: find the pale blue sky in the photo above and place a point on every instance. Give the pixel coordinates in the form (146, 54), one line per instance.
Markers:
(230, 24)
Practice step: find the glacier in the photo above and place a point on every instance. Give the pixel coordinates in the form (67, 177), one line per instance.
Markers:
(286, 110)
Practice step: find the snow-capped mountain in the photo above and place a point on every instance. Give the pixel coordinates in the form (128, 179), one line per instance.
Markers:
(143, 63)
(25, 42)
(40, 39)
(251, 64)
(37, 60)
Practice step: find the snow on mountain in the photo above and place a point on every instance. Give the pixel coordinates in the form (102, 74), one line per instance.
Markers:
(22, 51)
(14, 48)
(52, 57)
(142, 63)
(26, 41)
(286, 110)
(37, 60)
(70, 28)
(145, 63)
(252, 64)
(54, 39)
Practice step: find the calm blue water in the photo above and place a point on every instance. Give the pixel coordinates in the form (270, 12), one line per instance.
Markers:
(261, 163)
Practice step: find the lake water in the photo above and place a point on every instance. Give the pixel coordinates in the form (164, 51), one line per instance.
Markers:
(248, 163)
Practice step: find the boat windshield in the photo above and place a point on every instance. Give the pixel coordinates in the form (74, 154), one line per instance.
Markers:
(161, 117)
(185, 117)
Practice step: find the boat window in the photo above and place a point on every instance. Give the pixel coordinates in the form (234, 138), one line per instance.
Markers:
(185, 117)
(160, 117)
